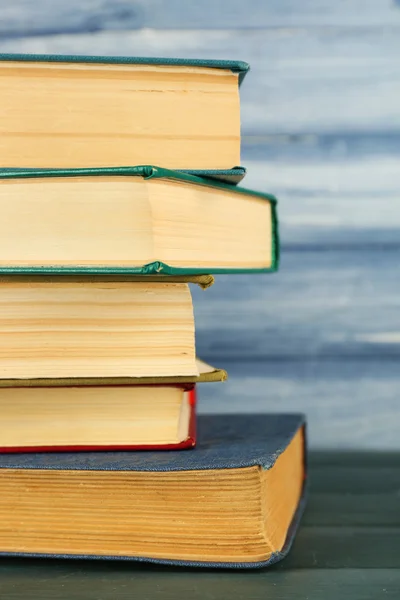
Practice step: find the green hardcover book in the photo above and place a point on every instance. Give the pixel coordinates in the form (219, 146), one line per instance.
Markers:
(132, 221)
(96, 111)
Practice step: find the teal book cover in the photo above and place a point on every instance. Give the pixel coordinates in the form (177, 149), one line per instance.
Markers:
(234, 501)
(236, 66)
(142, 220)
(232, 176)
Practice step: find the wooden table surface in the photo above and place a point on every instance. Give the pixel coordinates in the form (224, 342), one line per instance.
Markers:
(348, 547)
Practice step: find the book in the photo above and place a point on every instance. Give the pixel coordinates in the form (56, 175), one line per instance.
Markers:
(94, 328)
(233, 501)
(102, 417)
(139, 220)
(54, 415)
(205, 373)
(97, 111)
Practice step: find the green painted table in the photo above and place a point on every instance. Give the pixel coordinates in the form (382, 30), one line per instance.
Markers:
(347, 547)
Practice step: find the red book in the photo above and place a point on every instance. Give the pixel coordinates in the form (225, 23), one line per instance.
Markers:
(97, 417)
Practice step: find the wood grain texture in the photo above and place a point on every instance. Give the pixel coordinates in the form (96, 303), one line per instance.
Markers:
(92, 582)
(49, 17)
(321, 304)
(353, 509)
(349, 402)
(105, 583)
(320, 124)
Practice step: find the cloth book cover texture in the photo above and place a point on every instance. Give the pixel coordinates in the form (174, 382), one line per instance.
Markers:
(147, 172)
(223, 442)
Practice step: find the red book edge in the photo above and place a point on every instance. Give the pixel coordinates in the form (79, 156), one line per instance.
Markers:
(189, 442)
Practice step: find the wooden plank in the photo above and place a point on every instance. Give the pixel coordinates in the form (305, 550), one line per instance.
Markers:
(356, 480)
(353, 489)
(63, 580)
(47, 16)
(322, 303)
(344, 548)
(349, 403)
(338, 202)
(376, 509)
(52, 17)
(361, 459)
(301, 81)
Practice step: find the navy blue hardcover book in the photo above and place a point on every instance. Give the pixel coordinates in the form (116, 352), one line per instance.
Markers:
(233, 501)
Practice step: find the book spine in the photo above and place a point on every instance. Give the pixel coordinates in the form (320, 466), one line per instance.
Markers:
(191, 440)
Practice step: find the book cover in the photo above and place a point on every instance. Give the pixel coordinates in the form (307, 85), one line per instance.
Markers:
(236, 66)
(203, 281)
(207, 374)
(226, 444)
(157, 267)
(231, 176)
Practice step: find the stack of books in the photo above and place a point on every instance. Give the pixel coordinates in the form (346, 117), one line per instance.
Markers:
(100, 456)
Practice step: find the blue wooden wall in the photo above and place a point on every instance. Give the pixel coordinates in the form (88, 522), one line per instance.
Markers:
(321, 130)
